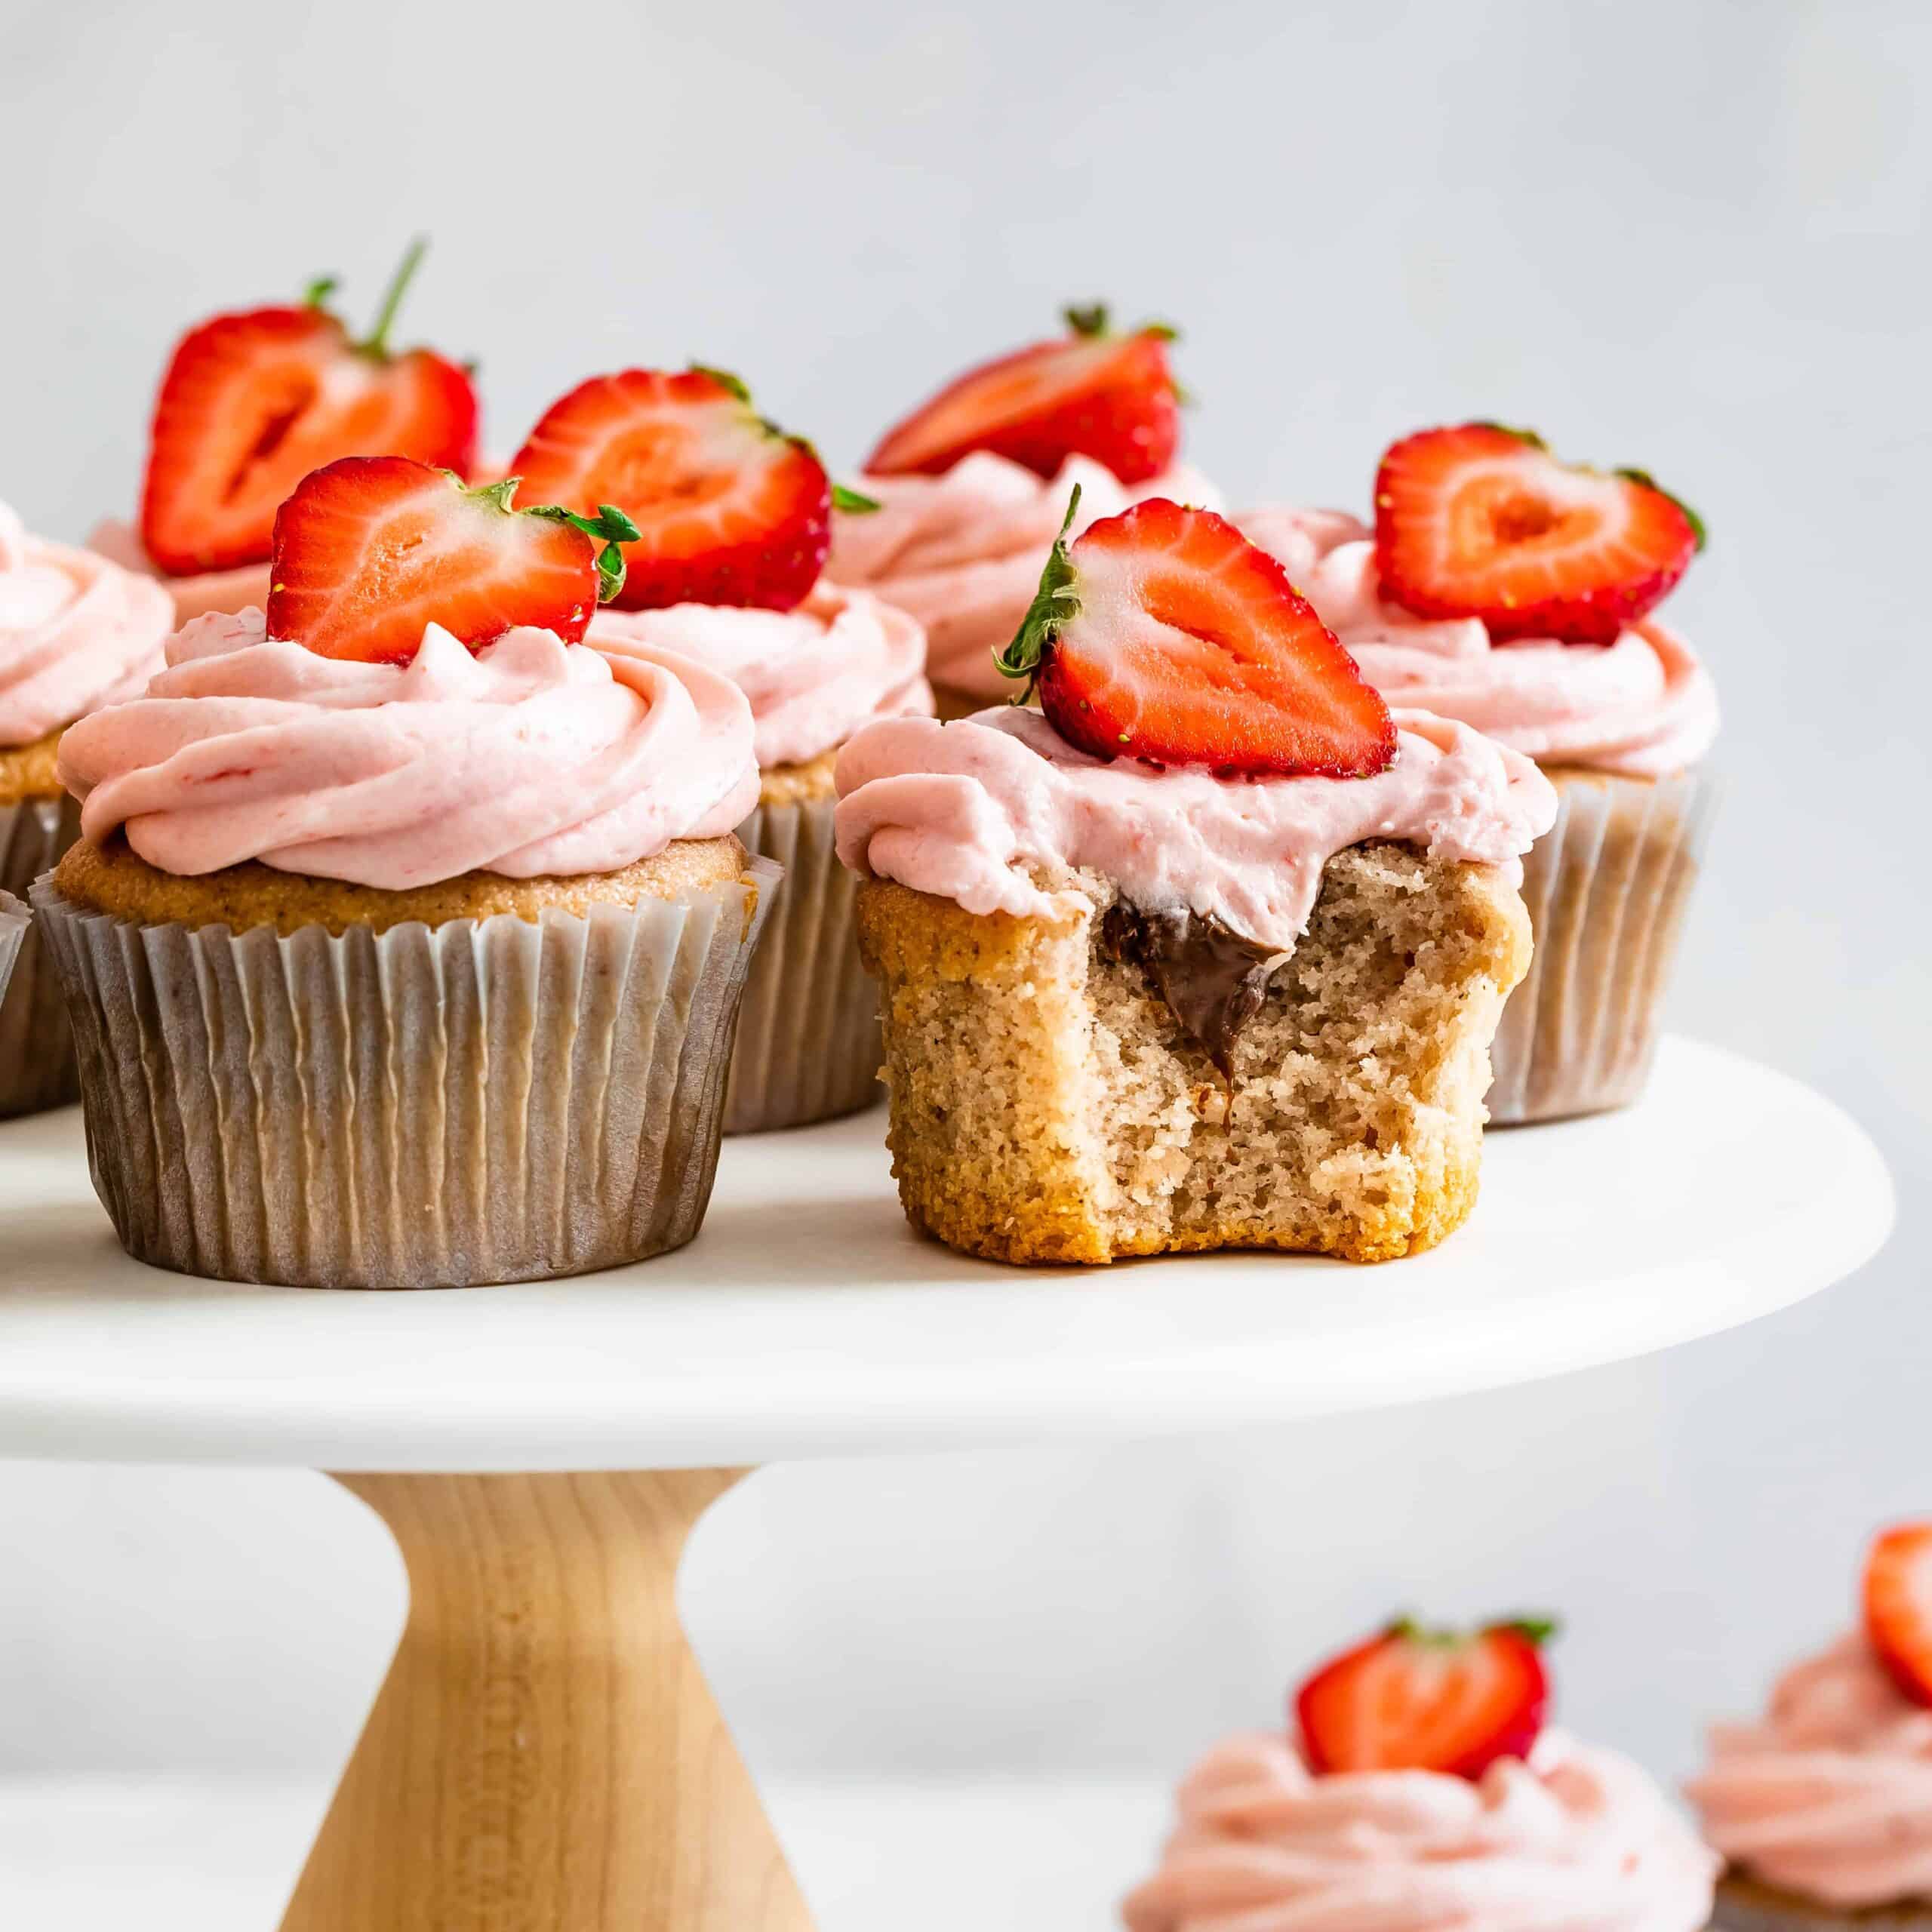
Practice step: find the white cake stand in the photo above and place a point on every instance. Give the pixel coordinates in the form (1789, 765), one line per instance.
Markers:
(544, 1756)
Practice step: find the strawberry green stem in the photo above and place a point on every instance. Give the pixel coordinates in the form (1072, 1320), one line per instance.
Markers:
(377, 343)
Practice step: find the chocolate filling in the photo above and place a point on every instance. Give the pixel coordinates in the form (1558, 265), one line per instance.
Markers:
(1213, 980)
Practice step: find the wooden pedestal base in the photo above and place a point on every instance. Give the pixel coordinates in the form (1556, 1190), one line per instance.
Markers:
(545, 1756)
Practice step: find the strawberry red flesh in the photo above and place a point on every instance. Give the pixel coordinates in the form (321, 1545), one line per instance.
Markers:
(1898, 1605)
(1111, 398)
(1163, 634)
(729, 510)
(251, 403)
(370, 550)
(1482, 522)
(1409, 1699)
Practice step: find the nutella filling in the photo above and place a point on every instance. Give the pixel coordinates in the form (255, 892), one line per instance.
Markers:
(1213, 980)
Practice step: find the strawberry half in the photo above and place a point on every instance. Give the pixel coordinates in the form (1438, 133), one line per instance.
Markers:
(251, 403)
(1483, 521)
(1089, 393)
(1424, 1700)
(1163, 634)
(370, 550)
(729, 509)
(1898, 1605)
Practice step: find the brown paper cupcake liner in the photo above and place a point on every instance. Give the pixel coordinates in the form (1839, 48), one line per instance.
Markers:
(13, 929)
(482, 1101)
(1606, 887)
(809, 1047)
(1743, 1905)
(36, 1045)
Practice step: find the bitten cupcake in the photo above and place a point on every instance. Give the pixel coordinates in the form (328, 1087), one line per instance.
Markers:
(1205, 952)
(76, 632)
(1822, 1809)
(732, 517)
(971, 487)
(1514, 593)
(407, 936)
(1419, 1790)
(252, 402)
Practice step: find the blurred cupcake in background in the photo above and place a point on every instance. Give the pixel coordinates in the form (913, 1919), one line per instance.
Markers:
(973, 486)
(732, 519)
(406, 938)
(1508, 591)
(76, 632)
(250, 403)
(1823, 1808)
(1418, 1791)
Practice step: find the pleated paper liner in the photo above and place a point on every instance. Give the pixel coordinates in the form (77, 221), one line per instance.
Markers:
(1606, 887)
(36, 1046)
(809, 1046)
(481, 1101)
(1744, 1907)
(13, 929)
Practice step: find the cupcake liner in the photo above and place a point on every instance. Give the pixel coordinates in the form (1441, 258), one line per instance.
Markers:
(36, 1043)
(14, 930)
(1744, 1907)
(809, 1047)
(485, 1100)
(1606, 887)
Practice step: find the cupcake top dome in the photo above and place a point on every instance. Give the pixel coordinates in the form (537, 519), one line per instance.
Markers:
(1420, 1791)
(1502, 588)
(1829, 1795)
(413, 706)
(76, 632)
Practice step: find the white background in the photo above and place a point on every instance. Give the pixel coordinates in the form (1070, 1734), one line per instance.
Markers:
(1692, 236)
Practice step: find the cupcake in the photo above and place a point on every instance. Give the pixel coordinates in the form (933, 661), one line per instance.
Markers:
(14, 928)
(76, 632)
(1822, 1809)
(250, 404)
(732, 517)
(1421, 1792)
(1513, 593)
(406, 937)
(971, 487)
(1204, 952)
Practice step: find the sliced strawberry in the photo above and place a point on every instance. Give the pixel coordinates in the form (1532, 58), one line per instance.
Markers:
(370, 550)
(1425, 1700)
(1483, 521)
(729, 509)
(1089, 393)
(1898, 1605)
(252, 403)
(1163, 634)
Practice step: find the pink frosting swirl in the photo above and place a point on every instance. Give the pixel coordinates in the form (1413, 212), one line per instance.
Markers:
(195, 595)
(1830, 1797)
(1573, 1840)
(76, 632)
(980, 811)
(529, 757)
(962, 552)
(813, 675)
(1643, 707)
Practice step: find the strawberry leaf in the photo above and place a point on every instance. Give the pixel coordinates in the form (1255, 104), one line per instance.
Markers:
(1055, 604)
(611, 525)
(734, 385)
(1088, 319)
(317, 293)
(1644, 480)
(851, 503)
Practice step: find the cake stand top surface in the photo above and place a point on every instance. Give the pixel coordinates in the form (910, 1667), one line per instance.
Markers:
(806, 1319)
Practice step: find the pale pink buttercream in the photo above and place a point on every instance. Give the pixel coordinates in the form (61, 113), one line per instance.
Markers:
(1831, 1796)
(76, 632)
(963, 551)
(198, 593)
(1573, 1840)
(1643, 706)
(530, 756)
(813, 675)
(980, 811)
